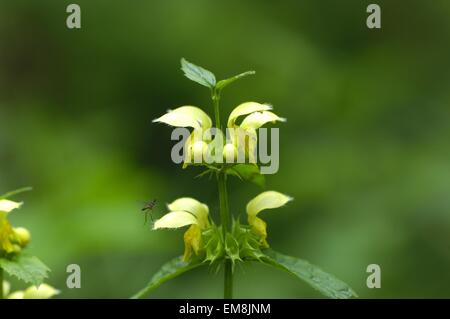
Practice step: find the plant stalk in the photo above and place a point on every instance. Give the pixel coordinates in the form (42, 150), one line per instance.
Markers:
(1, 283)
(223, 202)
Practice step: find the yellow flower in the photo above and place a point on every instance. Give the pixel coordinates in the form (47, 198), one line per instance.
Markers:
(8, 205)
(189, 116)
(265, 200)
(183, 212)
(257, 115)
(7, 236)
(43, 291)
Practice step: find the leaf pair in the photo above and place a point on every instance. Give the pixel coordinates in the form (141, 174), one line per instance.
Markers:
(318, 279)
(207, 78)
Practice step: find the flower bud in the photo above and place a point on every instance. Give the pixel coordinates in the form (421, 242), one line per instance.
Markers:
(16, 249)
(22, 236)
(229, 153)
(199, 151)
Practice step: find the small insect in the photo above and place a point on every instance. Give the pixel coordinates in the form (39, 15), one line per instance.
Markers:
(147, 210)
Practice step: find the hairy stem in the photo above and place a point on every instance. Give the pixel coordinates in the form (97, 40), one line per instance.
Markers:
(223, 201)
(228, 281)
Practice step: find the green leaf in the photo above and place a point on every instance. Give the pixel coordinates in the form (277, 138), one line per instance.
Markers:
(327, 284)
(27, 268)
(198, 74)
(248, 172)
(15, 192)
(223, 83)
(168, 271)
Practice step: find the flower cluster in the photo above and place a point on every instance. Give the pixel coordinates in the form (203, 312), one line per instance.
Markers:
(190, 212)
(223, 245)
(241, 139)
(12, 241)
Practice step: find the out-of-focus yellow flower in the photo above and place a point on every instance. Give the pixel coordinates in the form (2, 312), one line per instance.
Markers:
(244, 136)
(22, 236)
(6, 287)
(183, 212)
(44, 291)
(7, 237)
(265, 200)
(16, 295)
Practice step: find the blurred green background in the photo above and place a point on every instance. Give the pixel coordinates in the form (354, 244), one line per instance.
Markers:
(365, 151)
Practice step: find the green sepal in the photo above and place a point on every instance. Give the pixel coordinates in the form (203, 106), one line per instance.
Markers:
(248, 172)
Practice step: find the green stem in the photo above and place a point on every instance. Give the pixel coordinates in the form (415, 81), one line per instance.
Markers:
(225, 221)
(228, 281)
(223, 202)
(215, 95)
(1, 283)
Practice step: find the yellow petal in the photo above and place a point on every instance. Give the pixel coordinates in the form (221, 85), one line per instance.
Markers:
(8, 205)
(266, 200)
(192, 206)
(175, 219)
(246, 108)
(192, 241)
(16, 295)
(44, 291)
(6, 234)
(186, 116)
(257, 119)
(259, 227)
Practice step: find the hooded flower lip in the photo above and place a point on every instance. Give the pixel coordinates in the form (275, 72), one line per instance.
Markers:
(265, 200)
(7, 206)
(175, 219)
(193, 206)
(246, 108)
(183, 212)
(186, 116)
(257, 119)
